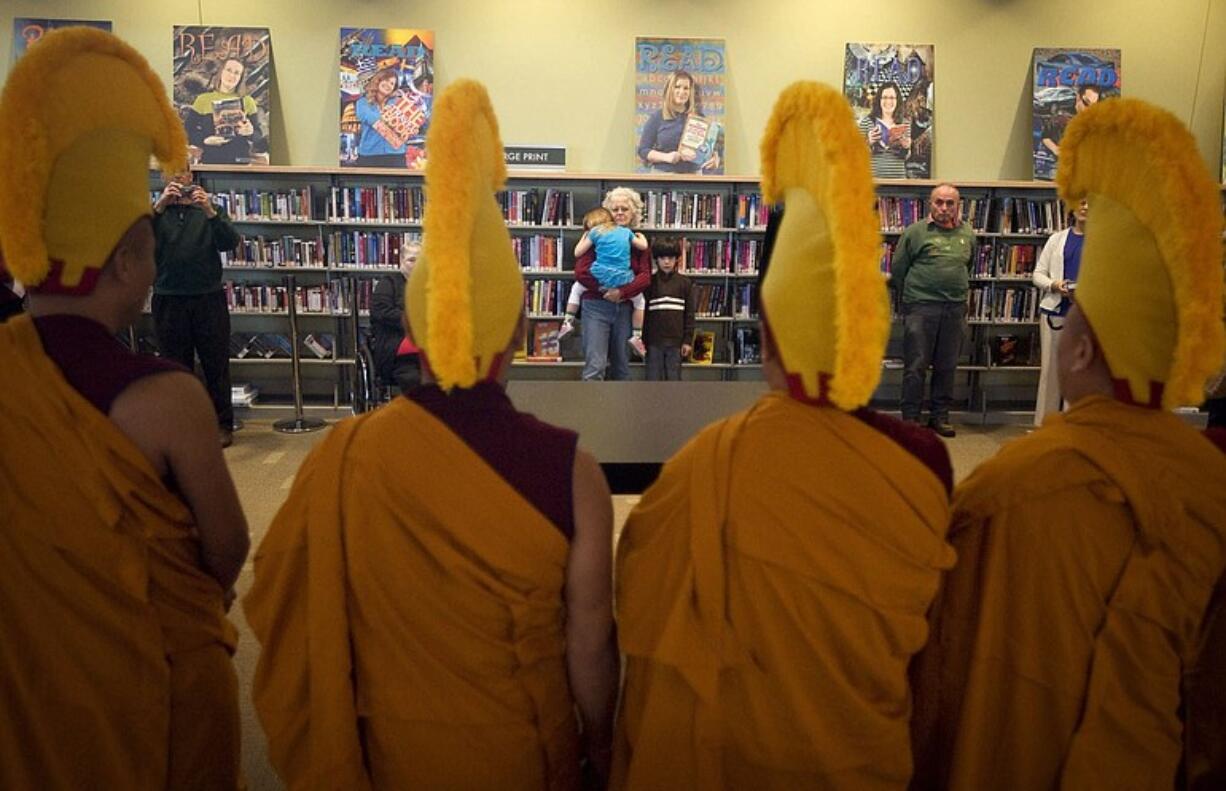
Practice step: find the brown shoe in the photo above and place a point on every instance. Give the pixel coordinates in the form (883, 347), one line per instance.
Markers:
(227, 437)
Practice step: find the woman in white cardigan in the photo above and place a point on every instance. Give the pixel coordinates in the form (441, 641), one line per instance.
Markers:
(1055, 274)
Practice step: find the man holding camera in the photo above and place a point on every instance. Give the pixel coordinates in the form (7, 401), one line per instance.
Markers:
(190, 316)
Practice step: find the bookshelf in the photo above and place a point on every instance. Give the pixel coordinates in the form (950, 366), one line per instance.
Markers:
(338, 230)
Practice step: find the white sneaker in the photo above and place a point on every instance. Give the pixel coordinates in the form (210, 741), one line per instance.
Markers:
(636, 343)
(566, 329)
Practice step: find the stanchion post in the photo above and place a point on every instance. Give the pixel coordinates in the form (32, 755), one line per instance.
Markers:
(298, 424)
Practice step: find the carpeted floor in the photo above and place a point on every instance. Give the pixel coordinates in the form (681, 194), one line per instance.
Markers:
(263, 464)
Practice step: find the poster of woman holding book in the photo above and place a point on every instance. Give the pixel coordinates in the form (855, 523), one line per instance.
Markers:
(221, 87)
(680, 106)
(387, 92)
(888, 133)
(233, 138)
(890, 89)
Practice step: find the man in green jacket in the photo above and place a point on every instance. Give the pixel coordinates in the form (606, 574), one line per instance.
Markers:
(190, 315)
(931, 269)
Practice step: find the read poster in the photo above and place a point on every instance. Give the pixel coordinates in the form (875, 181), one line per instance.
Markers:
(1066, 81)
(222, 84)
(387, 95)
(28, 31)
(680, 97)
(890, 89)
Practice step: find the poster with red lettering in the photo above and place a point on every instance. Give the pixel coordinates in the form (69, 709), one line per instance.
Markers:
(387, 94)
(28, 31)
(222, 82)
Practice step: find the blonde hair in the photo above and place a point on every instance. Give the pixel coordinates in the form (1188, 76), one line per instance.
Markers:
(692, 105)
(598, 217)
(626, 194)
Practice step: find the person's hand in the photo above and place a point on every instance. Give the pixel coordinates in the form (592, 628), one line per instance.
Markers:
(613, 295)
(686, 351)
(906, 140)
(1060, 287)
(169, 195)
(712, 163)
(202, 199)
(874, 134)
(246, 128)
(685, 156)
(638, 237)
(672, 158)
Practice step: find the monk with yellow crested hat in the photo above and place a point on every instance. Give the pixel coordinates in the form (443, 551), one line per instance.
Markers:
(1067, 644)
(434, 600)
(772, 584)
(120, 529)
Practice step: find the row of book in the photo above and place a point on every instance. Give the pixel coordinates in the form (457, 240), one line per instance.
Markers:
(745, 301)
(710, 299)
(286, 250)
(706, 255)
(277, 346)
(286, 205)
(538, 206)
(1003, 303)
(746, 346)
(752, 211)
(681, 209)
(324, 298)
(982, 261)
(661, 208)
(1016, 304)
(1029, 215)
(255, 298)
(380, 203)
(896, 212)
(1016, 260)
(546, 297)
(1010, 215)
(538, 252)
(369, 248)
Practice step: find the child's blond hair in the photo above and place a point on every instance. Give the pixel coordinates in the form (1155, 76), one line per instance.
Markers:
(598, 218)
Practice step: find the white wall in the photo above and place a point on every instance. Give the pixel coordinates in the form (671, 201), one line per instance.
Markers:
(563, 72)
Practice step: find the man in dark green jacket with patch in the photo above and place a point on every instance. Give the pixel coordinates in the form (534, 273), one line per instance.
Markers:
(931, 268)
(190, 315)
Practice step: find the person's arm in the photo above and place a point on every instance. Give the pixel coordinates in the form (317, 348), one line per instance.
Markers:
(900, 264)
(583, 271)
(225, 238)
(366, 111)
(646, 150)
(385, 310)
(638, 241)
(584, 244)
(640, 264)
(171, 420)
(1042, 276)
(592, 660)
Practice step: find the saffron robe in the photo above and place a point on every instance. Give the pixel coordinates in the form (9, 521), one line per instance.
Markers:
(409, 605)
(115, 667)
(772, 588)
(1087, 556)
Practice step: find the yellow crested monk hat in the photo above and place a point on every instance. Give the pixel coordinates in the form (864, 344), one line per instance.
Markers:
(824, 301)
(79, 117)
(1150, 283)
(465, 297)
